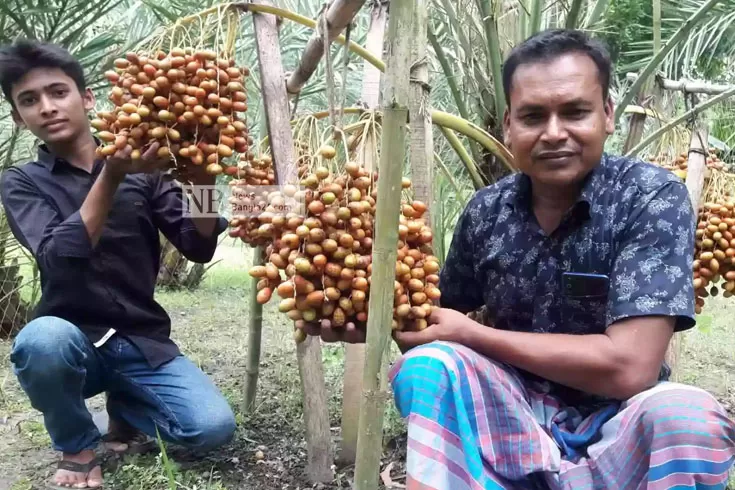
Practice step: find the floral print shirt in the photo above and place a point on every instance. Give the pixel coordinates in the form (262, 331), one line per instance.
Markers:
(633, 223)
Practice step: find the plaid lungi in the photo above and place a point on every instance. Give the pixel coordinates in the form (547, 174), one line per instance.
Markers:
(475, 424)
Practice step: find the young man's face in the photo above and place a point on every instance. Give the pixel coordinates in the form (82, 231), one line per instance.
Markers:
(558, 122)
(49, 104)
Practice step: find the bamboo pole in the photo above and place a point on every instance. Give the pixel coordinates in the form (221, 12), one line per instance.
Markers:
(648, 70)
(355, 353)
(339, 14)
(255, 322)
(696, 169)
(255, 330)
(395, 118)
(275, 100)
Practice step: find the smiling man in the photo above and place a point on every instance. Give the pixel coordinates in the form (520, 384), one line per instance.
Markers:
(582, 262)
(93, 228)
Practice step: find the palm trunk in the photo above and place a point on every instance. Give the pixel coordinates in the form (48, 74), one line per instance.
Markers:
(339, 15)
(275, 100)
(494, 55)
(395, 119)
(419, 106)
(537, 8)
(355, 353)
(572, 19)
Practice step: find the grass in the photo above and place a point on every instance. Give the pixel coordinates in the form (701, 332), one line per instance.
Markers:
(210, 326)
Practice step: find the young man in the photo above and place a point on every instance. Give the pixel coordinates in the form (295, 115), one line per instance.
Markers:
(583, 262)
(93, 228)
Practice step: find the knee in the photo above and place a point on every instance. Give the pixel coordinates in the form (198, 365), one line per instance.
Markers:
(439, 360)
(212, 427)
(426, 373)
(47, 340)
(678, 409)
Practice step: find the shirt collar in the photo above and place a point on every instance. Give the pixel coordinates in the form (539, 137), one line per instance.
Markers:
(49, 160)
(46, 157)
(519, 194)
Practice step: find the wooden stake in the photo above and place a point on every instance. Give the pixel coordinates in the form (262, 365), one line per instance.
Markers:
(275, 100)
(380, 311)
(339, 15)
(696, 169)
(355, 353)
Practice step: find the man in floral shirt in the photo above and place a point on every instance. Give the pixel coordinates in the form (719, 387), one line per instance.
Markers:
(583, 265)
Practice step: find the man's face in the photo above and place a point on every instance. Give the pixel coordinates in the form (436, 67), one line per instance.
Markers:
(49, 104)
(557, 122)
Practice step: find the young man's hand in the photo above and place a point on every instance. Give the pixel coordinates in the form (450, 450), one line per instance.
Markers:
(120, 163)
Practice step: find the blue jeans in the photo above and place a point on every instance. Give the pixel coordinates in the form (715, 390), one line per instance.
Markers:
(58, 368)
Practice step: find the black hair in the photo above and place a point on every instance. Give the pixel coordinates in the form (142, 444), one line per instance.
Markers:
(24, 55)
(549, 44)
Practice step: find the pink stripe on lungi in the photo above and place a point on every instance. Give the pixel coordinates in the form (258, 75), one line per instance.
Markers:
(474, 424)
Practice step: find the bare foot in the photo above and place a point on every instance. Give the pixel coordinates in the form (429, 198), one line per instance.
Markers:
(118, 435)
(123, 438)
(74, 479)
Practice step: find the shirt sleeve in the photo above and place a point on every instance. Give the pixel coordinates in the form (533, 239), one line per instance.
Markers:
(457, 280)
(171, 216)
(652, 273)
(55, 243)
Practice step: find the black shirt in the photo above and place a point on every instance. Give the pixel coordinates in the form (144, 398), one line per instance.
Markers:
(110, 285)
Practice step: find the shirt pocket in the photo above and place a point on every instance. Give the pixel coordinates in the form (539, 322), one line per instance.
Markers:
(585, 315)
(128, 212)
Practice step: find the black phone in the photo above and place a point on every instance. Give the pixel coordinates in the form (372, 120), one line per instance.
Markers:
(585, 285)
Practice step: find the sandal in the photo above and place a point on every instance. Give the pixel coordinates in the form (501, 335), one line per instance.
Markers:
(75, 468)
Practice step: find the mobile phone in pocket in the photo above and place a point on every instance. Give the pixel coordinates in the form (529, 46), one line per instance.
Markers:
(585, 285)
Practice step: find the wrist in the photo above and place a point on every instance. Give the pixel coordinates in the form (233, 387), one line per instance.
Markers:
(469, 332)
(111, 176)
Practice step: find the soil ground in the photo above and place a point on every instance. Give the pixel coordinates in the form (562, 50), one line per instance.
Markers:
(210, 326)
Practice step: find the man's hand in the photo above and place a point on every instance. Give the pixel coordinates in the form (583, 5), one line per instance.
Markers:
(444, 324)
(121, 164)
